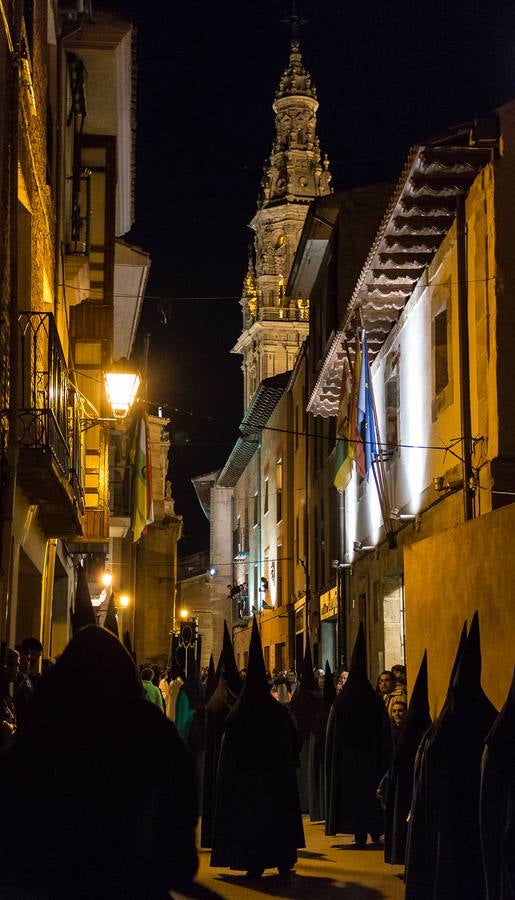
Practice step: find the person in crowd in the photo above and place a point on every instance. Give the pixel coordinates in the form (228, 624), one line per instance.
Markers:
(174, 686)
(281, 689)
(398, 784)
(31, 651)
(397, 710)
(258, 824)
(342, 678)
(83, 765)
(444, 854)
(358, 750)
(292, 678)
(316, 766)
(189, 702)
(385, 685)
(399, 673)
(305, 705)
(152, 693)
(497, 812)
(227, 689)
(164, 687)
(7, 708)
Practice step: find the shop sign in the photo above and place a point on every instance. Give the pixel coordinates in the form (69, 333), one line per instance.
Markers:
(329, 604)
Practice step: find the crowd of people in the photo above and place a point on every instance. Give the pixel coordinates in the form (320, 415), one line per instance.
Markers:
(97, 745)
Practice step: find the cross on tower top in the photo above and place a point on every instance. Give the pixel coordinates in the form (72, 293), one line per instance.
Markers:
(295, 22)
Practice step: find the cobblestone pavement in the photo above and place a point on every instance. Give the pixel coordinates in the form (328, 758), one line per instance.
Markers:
(327, 870)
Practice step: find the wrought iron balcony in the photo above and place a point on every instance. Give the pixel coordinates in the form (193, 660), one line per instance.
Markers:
(49, 470)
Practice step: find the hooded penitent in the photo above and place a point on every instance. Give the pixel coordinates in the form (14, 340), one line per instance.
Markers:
(83, 613)
(84, 765)
(225, 693)
(497, 814)
(358, 748)
(212, 678)
(444, 853)
(258, 823)
(110, 621)
(399, 783)
(316, 779)
(304, 706)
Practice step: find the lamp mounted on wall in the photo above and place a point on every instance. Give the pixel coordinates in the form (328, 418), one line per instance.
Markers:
(122, 383)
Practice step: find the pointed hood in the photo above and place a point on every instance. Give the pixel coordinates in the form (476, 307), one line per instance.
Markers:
(127, 643)
(468, 670)
(307, 699)
(501, 737)
(256, 682)
(255, 715)
(229, 669)
(359, 709)
(191, 686)
(210, 680)
(329, 685)
(459, 651)
(228, 682)
(307, 678)
(110, 621)
(418, 718)
(358, 663)
(83, 613)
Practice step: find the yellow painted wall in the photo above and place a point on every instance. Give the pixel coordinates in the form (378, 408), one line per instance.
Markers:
(447, 577)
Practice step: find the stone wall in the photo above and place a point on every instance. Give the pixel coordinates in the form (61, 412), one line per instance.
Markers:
(447, 577)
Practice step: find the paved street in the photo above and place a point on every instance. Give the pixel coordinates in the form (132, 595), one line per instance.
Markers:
(326, 870)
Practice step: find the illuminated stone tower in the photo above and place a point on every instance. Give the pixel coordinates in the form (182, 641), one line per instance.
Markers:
(274, 325)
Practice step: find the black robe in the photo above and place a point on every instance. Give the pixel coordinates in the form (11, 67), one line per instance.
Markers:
(399, 781)
(316, 772)
(358, 748)
(305, 706)
(110, 780)
(445, 813)
(217, 709)
(497, 815)
(258, 823)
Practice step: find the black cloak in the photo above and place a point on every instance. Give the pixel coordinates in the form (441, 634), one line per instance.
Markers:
(110, 779)
(211, 680)
(304, 706)
(258, 823)
(399, 781)
(83, 613)
(227, 689)
(316, 774)
(497, 814)
(358, 749)
(444, 852)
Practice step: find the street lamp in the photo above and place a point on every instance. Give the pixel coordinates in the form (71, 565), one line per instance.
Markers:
(124, 600)
(106, 579)
(122, 383)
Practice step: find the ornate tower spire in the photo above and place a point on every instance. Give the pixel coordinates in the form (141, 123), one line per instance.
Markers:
(273, 326)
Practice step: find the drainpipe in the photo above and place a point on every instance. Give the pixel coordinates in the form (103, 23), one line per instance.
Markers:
(342, 588)
(463, 340)
(11, 461)
(47, 596)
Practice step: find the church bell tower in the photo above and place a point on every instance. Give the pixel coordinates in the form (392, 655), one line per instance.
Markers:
(274, 325)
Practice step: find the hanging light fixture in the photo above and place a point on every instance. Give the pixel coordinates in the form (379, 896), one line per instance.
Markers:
(122, 383)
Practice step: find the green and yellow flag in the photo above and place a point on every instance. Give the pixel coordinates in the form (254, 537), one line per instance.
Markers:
(142, 499)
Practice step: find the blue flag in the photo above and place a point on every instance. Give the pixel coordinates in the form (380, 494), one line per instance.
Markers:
(366, 419)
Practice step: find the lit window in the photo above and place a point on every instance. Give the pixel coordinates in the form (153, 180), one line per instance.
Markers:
(279, 488)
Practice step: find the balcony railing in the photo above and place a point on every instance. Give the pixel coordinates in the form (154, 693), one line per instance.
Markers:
(48, 425)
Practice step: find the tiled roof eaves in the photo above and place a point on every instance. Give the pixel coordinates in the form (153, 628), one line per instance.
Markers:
(261, 408)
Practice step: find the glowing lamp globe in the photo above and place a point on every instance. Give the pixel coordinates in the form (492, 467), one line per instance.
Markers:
(122, 384)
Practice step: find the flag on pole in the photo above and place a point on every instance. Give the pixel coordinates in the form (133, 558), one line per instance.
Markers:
(142, 500)
(349, 449)
(367, 449)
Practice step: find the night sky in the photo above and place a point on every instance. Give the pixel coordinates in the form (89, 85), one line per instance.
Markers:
(388, 74)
